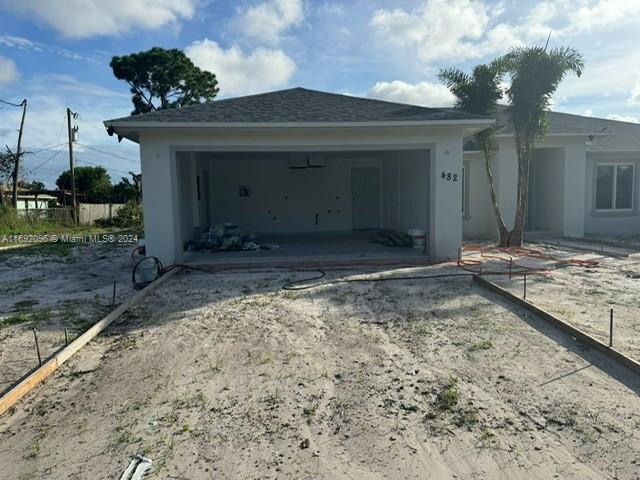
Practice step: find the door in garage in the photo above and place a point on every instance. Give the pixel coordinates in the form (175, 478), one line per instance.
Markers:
(365, 194)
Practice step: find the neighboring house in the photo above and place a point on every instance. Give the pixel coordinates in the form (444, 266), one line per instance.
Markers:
(300, 160)
(35, 201)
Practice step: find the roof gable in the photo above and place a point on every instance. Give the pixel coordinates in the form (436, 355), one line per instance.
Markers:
(298, 105)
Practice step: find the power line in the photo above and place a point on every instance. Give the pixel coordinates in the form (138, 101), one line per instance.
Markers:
(11, 103)
(55, 173)
(98, 165)
(44, 149)
(47, 160)
(108, 153)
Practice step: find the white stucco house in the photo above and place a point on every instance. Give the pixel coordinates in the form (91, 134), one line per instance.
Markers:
(298, 161)
(584, 179)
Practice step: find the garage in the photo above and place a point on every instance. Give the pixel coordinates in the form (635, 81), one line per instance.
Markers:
(312, 174)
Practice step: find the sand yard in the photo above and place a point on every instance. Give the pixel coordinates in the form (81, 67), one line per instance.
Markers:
(230, 376)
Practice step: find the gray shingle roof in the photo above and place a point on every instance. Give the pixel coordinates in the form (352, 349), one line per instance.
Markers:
(610, 135)
(299, 105)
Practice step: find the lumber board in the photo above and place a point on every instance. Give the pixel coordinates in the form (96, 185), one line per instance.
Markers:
(576, 333)
(37, 376)
(26, 385)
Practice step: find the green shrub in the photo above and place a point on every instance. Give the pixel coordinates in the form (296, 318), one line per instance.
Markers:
(129, 216)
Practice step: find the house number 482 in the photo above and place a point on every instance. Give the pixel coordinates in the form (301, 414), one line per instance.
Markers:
(449, 177)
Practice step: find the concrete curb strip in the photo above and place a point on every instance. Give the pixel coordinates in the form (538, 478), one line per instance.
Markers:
(610, 352)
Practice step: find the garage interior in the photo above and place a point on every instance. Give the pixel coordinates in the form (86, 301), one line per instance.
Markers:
(318, 206)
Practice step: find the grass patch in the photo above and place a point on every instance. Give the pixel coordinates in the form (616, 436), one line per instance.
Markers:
(197, 400)
(467, 417)
(26, 316)
(309, 411)
(486, 438)
(483, 345)
(448, 397)
(11, 223)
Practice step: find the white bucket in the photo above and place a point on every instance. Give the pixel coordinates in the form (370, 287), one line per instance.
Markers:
(418, 236)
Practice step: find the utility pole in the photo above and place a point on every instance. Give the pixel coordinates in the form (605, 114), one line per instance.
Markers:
(71, 169)
(18, 154)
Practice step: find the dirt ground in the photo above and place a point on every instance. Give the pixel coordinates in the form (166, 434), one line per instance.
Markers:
(230, 376)
(585, 296)
(50, 290)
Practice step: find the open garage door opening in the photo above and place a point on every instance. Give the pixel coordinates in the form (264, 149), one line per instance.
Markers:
(265, 207)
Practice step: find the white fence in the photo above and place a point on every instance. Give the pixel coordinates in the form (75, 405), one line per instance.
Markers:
(90, 212)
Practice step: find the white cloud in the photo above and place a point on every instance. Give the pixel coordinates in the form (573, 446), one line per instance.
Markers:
(634, 99)
(331, 9)
(446, 29)
(86, 18)
(623, 118)
(20, 43)
(571, 17)
(8, 71)
(467, 29)
(25, 44)
(598, 80)
(239, 73)
(269, 20)
(595, 14)
(422, 93)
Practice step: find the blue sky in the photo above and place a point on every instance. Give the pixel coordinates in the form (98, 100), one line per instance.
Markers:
(56, 54)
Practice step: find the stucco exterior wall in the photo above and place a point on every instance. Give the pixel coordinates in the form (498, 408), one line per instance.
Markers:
(505, 171)
(546, 190)
(616, 223)
(478, 221)
(412, 190)
(445, 197)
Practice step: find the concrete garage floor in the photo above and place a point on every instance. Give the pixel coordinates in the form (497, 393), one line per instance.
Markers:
(313, 249)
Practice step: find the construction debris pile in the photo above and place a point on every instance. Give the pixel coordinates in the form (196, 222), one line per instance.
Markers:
(224, 237)
(391, 238)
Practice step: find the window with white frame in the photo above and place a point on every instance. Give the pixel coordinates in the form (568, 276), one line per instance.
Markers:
(614, 186)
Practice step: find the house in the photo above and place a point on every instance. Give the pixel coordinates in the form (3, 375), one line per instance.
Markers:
(299, 161)
(584, 179)
(35, 201)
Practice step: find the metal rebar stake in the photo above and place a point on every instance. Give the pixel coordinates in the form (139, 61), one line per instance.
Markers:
(611, 328)
(35, 336)
(113, 297)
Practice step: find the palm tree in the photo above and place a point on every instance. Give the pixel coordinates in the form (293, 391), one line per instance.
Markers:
(535, 76)
(478, 93)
